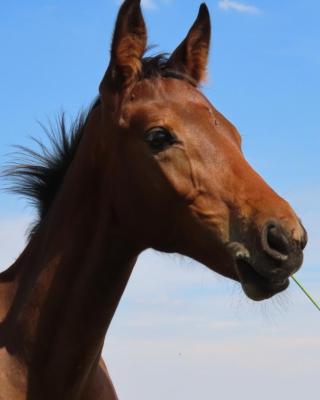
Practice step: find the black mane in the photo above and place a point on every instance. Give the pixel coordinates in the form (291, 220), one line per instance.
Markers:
(38, 175)
(153, 67)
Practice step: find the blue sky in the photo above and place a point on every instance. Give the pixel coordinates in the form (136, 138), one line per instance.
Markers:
(181, 329)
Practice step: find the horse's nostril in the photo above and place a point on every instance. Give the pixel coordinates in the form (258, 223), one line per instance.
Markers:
(277, 240)
(304, 239)
(274, 241)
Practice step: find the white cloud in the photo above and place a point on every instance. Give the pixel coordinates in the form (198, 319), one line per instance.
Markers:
(237, 6)
(148, 4)
(12, 238)
(186, 368)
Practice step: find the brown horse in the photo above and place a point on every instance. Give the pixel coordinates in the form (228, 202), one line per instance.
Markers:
(152, 165)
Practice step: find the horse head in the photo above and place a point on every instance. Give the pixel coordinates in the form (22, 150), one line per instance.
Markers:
(180, 181)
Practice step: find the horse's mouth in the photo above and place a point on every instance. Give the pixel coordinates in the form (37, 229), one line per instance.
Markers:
(256, 286)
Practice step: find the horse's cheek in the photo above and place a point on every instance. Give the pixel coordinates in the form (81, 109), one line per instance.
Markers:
(178, 171)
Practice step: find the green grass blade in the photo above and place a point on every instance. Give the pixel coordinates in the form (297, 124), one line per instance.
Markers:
(306, 292)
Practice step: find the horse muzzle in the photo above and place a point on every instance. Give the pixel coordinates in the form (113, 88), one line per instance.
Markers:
(264, 270)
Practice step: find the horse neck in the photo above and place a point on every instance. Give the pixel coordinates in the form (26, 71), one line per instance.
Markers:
(66, 286)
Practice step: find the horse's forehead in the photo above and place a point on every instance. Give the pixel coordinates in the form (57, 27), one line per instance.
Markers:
(168, 89)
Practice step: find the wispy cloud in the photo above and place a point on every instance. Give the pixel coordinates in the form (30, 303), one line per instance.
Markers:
(238, 6)
(135, 365)
(12, 238)
(147, 4)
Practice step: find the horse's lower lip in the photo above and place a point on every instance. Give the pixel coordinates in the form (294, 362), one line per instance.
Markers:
(256, 286)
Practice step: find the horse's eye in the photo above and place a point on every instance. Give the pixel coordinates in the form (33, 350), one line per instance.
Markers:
(159, 139)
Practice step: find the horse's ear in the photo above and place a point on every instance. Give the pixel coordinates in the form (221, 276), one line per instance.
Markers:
(128, 45)
(191, 57)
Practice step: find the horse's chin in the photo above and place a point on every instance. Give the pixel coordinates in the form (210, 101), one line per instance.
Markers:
(256, 286)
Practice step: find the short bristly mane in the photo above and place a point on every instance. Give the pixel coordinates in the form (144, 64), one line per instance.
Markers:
(38, 175)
